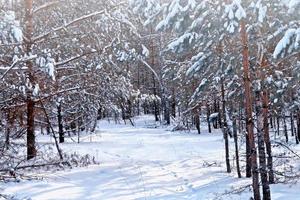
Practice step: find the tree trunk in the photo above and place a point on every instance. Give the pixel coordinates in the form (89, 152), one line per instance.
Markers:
(78, 131)
(7, 136)
(267, 136)
(295, 129)
(215, 122)
(220, 115)
(248, 106)
(225, 128)
(235, 136)
(31, 149)
(298, 125)
(173, 104)
(197, 120)
(207, 117)
(271, 121)
(261, 148)
(285, 129)
(94, 125)
(278, 125)
(292, 124)
(60, 124)
(166, 108)
(156, 109)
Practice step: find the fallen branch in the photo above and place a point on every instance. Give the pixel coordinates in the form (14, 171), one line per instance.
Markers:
(288, 148)
(36, 166)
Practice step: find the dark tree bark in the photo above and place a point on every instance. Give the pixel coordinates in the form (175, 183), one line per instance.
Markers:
(208, 117)
(261, 148)
(285, 129)
(220, 115)
(278, 125)
(173, 104)
(215, 122)
(298, 125)
(225, 128)
(156, 107)
(7, 136)
(31, 149)
(197, 119)
(10, 117)
(60, 124)
(267, 136)
(271, 121)
(167, 111)
(295, 128)
(235, 136)
(292, 124)
(248, 106)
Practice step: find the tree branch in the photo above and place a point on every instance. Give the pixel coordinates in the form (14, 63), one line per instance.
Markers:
(84, 17)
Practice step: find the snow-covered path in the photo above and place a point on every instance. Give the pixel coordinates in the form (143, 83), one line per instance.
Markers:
(140, 163)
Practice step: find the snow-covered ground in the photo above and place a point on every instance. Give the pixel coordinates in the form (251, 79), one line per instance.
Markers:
(144, 163)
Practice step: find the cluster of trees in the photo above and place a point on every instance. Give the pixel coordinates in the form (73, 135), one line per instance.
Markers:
(62, 65)
(65, 64)
(238, 63)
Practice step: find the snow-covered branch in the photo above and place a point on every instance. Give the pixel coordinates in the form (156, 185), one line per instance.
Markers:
(17, 61)
(45, 6)
(75, 21)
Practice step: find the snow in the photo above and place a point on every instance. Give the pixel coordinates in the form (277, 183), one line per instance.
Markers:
(285, 42)
(36, 90)
(17, 33)
(145, 51)
(180, 43)
(51, 70)
(143, 163)
(213, 116)
(292, 5)
(174, 10)
(262, 11)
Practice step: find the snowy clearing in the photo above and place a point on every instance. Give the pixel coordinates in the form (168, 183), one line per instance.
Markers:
(143, 163)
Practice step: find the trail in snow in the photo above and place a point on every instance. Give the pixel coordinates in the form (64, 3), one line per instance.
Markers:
(138, 163)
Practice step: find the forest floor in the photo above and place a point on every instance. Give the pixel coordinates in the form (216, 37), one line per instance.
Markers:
(144, 162)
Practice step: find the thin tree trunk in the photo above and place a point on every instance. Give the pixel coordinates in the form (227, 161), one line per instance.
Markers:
(215, 122)
(208, 117)
(235, 136)
(220, 115)
(31, 149)
(248, 106)
(173, 104)
(267, 136)
(166, 107)
(7, 135)
(225, 128)
(60, 125)
(285, 129)
(261, 148)
(292, 124)
(296, 133)
(156, 107)
(78, 131)
(271, 122)
(298, 125)
(197, 120)
(278, 125)
(53, 132)
(94, 125)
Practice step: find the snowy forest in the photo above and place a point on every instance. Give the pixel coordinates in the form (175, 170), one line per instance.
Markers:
(149, 99)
